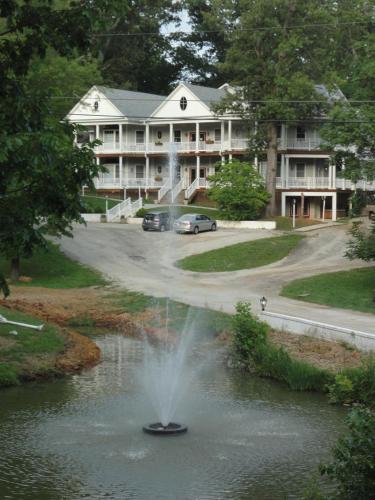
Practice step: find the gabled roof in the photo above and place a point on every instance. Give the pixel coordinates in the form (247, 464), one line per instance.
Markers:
(132, 104)
(208, 95)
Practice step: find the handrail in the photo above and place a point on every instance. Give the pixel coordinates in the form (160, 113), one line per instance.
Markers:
(177, 190)
(163, 191)
(135, 206)
(123, 208)
(190, 190)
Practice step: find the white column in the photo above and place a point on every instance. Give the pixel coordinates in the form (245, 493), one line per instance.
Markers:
(330, 180)
(120, 168)
(230, 134)
(286, 171)
(97, 132)
(198, 165)
(147, 136)
(171, 133)
(222, 135)
(125, 139)
(334, 207)
(282, 171)
(256, 162)
(283, 204)
(125, 176)
(147, 171)
(334, 176)
(120, 137)
(197, 137)
(283, 136)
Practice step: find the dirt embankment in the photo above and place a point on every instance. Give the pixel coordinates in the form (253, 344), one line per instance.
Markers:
(96, 306)
(62, 307)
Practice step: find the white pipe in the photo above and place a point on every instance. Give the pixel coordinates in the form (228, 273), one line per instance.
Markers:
(34, 327)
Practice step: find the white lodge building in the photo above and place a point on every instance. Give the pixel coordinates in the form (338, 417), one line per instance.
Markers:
(166, 147)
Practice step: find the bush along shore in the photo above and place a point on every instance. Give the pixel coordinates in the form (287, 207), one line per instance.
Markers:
(352, 466)
(253, 351)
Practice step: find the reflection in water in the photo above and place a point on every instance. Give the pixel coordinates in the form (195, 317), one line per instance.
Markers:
(82, 438)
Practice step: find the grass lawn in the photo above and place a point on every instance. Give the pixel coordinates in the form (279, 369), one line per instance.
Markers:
(346, 289)
(28, 353)
(96, 204)
(52, 269)
(242, 255)
(171, 313)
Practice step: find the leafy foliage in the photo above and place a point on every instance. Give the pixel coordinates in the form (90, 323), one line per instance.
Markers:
(363, 244)
(238, 190)
(355, 385)
(251, 345)
(353, 465)
(41, 173)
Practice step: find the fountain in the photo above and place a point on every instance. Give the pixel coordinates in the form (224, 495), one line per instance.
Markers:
(166, 378)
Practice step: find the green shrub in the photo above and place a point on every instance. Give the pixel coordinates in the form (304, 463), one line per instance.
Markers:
(353, 466)
(8, 375)
(354, 385)
(249, 333)
(252, 347)
(141, 212)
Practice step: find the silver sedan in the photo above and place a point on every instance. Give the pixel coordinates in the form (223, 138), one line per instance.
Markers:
(194, 223)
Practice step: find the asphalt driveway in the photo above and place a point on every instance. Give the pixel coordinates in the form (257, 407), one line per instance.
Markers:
(144, 261)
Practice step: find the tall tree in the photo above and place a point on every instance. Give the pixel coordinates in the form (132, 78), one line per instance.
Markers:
(40, 171)
(350, 131)
(203, 49)
(278, 51)
(135, 51)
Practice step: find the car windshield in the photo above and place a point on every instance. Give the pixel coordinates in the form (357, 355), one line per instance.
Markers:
(151, 216)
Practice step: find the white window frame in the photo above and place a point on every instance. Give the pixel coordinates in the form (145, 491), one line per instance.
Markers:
(137, 141)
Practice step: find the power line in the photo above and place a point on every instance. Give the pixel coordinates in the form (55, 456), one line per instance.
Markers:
(253, 101)
(236, 30)
(227, 115)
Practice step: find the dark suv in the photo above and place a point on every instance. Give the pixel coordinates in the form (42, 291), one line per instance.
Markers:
(157, 221)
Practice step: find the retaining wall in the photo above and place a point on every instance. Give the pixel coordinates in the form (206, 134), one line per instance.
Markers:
(362, 340)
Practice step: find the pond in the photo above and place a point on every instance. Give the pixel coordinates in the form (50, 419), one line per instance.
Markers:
(82, 437)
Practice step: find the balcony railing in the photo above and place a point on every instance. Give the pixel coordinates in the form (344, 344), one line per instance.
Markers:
(322, 183)
(180, 147)
(308, 144)
(111, 182)
(303, 182)
(362, 184)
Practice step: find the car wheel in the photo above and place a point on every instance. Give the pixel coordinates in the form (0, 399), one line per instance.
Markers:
(145, 229)
(196, 230)
(213, 227)
(162, 228)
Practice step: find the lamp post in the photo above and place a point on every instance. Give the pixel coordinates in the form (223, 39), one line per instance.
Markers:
(294, 213)
(106, 203)
(263, 303)
(324, 207)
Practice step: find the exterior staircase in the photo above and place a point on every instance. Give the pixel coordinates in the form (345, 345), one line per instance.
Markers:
(126, 208)
(173, 195)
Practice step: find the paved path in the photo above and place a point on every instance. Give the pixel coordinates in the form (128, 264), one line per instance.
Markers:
(143, 261)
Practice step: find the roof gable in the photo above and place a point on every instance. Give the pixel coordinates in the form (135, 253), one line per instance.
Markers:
(114, 103)
(199, 102)
(86, 109)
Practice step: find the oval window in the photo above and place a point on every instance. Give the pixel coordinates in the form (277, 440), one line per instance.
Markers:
(183, 103)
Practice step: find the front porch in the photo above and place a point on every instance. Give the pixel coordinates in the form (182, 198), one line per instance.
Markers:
(314, 205)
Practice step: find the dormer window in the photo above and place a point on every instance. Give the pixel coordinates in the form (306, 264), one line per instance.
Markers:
(183, 103)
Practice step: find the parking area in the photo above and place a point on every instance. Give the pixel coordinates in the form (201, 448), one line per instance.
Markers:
(143, 261)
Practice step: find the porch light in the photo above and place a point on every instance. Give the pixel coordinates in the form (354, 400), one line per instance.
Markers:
(263, 303)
